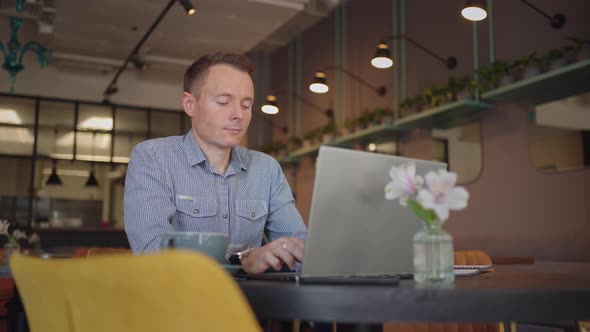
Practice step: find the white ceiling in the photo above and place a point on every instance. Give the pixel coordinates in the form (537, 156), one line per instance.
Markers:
(100, 34)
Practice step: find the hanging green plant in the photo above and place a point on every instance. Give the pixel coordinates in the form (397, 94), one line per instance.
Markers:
(295, 141)
(382, 115)
(526, 67)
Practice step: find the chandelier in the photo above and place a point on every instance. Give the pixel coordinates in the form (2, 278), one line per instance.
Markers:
(13, 56)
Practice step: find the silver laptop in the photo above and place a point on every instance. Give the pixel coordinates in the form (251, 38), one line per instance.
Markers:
(353, 230)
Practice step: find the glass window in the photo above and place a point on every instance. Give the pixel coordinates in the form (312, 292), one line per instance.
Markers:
(17, 111)
(559, 134)
(14, 189)
(93, 140)
(124, 143)
(56, 129)
(166, 124)
(440, 150)
(17, 121)
(131, 127)
(93, 146)
(95, 117)
(460, 148)
(133, 121)
(71, 203)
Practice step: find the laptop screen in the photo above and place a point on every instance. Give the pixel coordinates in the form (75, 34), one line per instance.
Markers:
(353, 229)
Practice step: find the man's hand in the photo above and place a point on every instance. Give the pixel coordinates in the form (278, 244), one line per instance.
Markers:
(286, 250)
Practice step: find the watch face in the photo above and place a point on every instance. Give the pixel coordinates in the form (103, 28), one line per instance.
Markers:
(234, 259)
(245, 253)
(237, 248)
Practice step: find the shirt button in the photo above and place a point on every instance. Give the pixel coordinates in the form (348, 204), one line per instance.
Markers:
(225, 216)
(196, 211)
(222, 181)
(252, 214)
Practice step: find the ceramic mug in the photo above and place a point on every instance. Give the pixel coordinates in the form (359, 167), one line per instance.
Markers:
(211, 244)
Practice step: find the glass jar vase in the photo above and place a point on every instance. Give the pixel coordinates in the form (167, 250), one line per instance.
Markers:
(433, 256)
(9, 249)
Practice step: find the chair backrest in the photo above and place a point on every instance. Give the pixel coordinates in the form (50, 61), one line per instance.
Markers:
(472, 257)
(95, 251)
(171, 291)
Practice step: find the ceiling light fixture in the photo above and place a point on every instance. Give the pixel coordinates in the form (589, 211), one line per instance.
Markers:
(557, 21)
(53, 179)
(92, 182)
(474, 10)
(111, 88)
(271, 106)
(382, 58)
(188, 6)
(320, 85)
(139, 64)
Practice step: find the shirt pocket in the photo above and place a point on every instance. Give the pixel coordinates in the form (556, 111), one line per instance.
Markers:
(251, 210)
(251, 218)
(195, 208)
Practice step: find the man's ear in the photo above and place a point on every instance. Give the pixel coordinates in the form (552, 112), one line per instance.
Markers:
(188, 103)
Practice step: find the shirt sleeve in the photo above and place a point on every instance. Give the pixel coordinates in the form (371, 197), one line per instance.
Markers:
(148, 201)
(284, 220)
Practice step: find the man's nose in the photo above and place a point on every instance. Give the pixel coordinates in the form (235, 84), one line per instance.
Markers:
(237, 112)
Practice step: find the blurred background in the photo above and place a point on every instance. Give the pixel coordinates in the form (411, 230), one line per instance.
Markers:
(84, 81)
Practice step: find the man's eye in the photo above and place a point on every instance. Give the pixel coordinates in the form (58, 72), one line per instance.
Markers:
(246, 107)
(223, 102)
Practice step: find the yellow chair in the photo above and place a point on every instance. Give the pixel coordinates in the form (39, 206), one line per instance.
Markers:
(171, 291)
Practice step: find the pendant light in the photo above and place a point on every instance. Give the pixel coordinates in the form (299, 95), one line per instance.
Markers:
(92, 182)
(474, 10)
(53, 179)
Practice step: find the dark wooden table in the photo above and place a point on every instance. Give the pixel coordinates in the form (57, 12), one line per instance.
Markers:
(541, 292)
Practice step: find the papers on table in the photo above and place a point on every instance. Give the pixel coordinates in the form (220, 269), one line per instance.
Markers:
(471, 270)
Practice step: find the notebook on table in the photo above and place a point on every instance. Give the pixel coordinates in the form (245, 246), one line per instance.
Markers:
(355, 235)
(471, 270)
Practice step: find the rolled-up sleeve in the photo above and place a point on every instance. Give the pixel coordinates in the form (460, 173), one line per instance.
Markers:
(284, 220)
(148, 201)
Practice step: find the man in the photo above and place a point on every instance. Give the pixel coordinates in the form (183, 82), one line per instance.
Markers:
(204, 181)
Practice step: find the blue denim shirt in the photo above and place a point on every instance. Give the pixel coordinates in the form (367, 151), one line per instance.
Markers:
(171, 186)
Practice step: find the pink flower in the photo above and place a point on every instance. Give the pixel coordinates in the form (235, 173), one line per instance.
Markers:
(4, 224)
(405, 183)
(443, 195)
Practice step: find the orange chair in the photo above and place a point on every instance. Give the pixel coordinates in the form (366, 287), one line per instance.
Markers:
(97, 251)
(475, 257)
(6, 294)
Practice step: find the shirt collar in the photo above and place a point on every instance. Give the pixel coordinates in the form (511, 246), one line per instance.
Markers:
(193, 151)
(237, 160)
(195, 154)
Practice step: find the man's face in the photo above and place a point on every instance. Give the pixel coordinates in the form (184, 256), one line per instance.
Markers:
(221, 113)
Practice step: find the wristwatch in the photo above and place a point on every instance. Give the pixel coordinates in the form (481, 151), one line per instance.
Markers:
(242, 252)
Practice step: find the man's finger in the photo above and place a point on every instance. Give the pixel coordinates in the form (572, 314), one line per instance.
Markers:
(295, 248)
(286, 256)
(271, 260)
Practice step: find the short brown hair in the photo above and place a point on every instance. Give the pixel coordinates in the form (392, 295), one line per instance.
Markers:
(200, 68)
